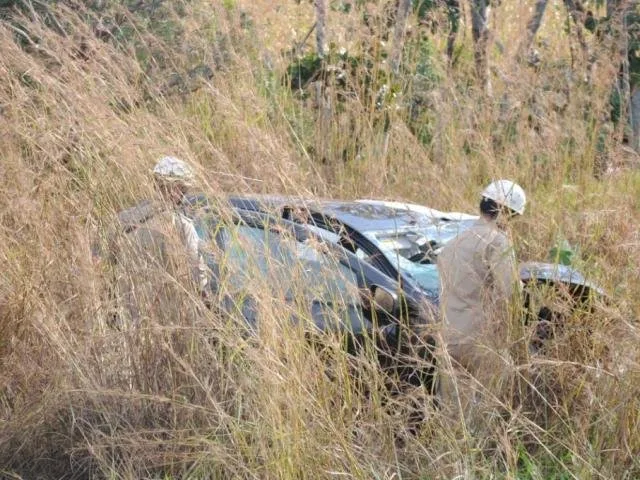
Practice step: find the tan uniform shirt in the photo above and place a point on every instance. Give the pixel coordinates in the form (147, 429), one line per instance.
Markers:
(165, 238)
(478, 275)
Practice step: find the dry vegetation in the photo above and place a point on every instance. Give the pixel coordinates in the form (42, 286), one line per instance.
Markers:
(82, 119)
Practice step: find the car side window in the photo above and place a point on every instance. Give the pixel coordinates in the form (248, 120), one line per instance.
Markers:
(363, 255)
(254, 256)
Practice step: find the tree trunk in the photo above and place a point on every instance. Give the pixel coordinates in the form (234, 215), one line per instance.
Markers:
(532, 27)
(321, 18)
(577, 12)
(625, 86)
(480, 11)
(453, 14)
(404, 6)
(619, 11)
(635, 119)
(627, 110)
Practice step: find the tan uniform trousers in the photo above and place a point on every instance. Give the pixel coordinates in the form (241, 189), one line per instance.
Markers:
(473, 379)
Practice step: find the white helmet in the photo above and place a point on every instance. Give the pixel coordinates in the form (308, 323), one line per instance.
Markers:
(172, 169)
(508, 194)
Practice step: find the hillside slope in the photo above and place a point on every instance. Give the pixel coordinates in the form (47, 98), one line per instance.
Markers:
(92, 93)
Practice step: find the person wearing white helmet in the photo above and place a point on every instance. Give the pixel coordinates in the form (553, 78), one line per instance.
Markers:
(478, 276)
(150, 246)
(506, 194)
(174, 178)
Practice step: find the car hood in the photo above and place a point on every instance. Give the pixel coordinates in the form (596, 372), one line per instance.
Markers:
(557, 273)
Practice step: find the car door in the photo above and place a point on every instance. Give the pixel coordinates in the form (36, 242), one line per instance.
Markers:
(340, 292)
(256, 254)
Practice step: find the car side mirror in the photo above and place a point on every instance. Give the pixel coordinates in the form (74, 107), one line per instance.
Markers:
(384, 299)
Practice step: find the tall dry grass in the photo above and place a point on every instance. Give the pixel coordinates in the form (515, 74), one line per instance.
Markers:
(185, 395)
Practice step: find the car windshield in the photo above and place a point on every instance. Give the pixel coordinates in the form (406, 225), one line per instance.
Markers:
(414, 251)
(425, 274)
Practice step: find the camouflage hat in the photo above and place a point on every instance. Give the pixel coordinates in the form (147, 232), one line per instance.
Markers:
(172, 169)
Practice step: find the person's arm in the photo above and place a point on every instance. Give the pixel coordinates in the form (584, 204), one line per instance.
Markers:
(502, 262)
(508, 287)
(192, 242)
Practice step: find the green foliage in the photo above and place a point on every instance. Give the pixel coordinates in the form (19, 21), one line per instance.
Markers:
(303, 70)
(421, 54)
(527, 467)
(9, 3)
(615, 103)
(422, 77)
(543, 466)
(591, 23)
(366, 77)
(422, 8)
(342, 6)
(562, 252)
(633, 23)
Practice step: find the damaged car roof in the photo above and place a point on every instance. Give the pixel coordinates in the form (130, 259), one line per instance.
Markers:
(361, 216)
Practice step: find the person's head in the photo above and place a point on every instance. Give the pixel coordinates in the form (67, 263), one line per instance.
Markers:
(173, 178)
(502, 199)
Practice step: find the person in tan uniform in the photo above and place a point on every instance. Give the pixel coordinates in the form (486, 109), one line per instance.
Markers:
(479, 277)
(158, 247)
(174, 178)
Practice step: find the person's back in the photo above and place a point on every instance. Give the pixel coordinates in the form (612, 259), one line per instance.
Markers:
(149, 262)
(477, 271)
